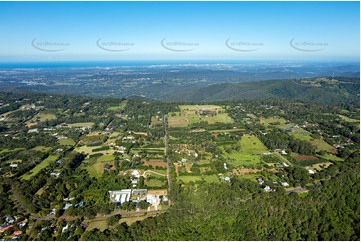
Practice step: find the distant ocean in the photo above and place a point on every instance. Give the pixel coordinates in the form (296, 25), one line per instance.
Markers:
(92, 64)
(85, 64)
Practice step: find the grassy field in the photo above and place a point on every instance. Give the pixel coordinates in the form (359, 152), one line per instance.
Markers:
(302, 134)
(44, 116)
(250, 153)
(188, 115)
(99, 223)
(41, 148)
(347, 119)
(225, 130)
(131, 220)
(67, 141)
(120, 107)
(319, 144)
(196, 107)
(211, 178)
(272, 121)
(79, 125)
(39, 167)
(331, 157)
(154, 183)
(9, 151)
(187, 179)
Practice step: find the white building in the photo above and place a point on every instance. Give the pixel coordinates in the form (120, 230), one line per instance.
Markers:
(120, 196)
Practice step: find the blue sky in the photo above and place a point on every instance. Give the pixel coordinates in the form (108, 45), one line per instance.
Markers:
(189, 30)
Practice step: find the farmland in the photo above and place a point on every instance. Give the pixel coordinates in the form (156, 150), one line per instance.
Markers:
(192, 114)
(39, 167)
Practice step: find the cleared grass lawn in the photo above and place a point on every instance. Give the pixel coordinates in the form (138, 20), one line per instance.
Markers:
(95, 168)
(67, 141)
(318, 166)
(250, 154)
(347, 119)
(44, 116)
(225, 130)
(211, 178)
(131, 220)
(118, 108)
(318, 143)
(196, 107)
(114, 135)
(39, 167)
(302, 134)
(89, 150)
(218, 118)
(187, 179)
(77, 125)
(41, 148)
(188, 115)
(177, 121)
(154, 183)
(331, 157)
(9, 151)
(252, 144)
(99, 223)
(272, 120)
(105, 158)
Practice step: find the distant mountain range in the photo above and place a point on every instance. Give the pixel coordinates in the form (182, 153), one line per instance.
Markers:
(330, 90)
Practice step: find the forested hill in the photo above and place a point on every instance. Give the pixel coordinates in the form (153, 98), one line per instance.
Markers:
(329, 90)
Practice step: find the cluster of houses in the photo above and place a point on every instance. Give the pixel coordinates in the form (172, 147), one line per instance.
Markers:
(268, 188)
(135, 195)
(10, 222)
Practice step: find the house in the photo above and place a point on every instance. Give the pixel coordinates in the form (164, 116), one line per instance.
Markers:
(260, 180)
(283, 152)
(225, 166)
(53, 211)
(65, 229)
(183, 160)
(267, 188)
(13, 165)
(67, 205)
(285, 165)
(136, 173)
(154, 196)
(227, 179)
(17, 233)
(33, 131)
(10, 220)
(120, 196)
(55, 174)
(311, 172)
(285, 184)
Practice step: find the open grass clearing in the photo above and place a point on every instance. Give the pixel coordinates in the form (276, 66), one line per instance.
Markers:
(80, 125)
(41, 148)
(225, 130)
(250, 154)
(187, 179)
(154, 183)
(39, 167)
(120, 107)
(272, 121)
(98, 223)
(155, 163)
(10, 150)
(131, 220)
(318, 165)
(211, 178)
(331, 157)
(66, 142)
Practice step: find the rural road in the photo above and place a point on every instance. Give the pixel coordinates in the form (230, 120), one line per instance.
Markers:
(165, 122)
